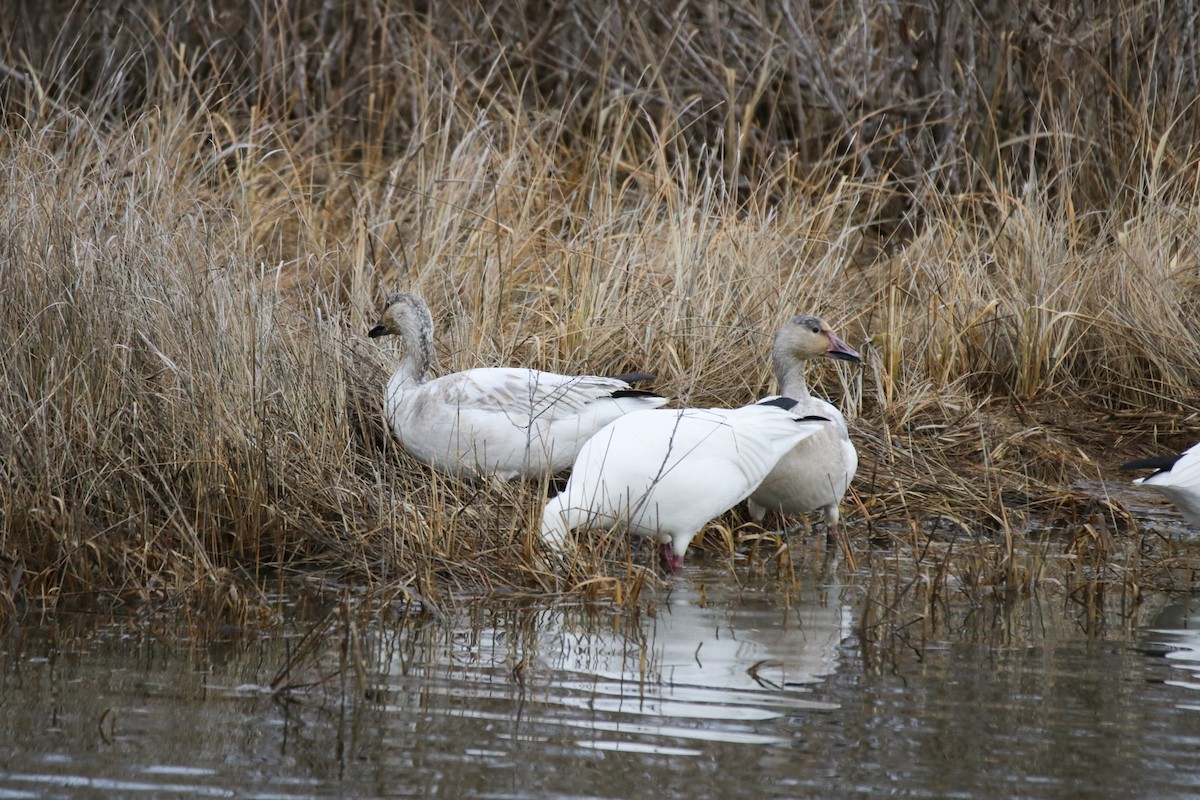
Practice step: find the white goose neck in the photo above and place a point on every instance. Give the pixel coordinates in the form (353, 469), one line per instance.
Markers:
(418, 358)
(789, 372)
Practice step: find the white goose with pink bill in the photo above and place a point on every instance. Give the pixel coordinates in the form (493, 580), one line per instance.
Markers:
(816, 473)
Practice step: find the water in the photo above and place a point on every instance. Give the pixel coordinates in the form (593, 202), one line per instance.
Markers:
(712, 692)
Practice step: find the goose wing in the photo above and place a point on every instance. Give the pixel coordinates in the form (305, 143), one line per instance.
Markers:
(695, 462)
(528, 393)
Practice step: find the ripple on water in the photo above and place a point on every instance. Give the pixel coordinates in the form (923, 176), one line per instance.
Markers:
(720, 693)
(705, 669)
(1175, 634)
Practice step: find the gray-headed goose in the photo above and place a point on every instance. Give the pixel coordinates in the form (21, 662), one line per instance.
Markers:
(815, 474)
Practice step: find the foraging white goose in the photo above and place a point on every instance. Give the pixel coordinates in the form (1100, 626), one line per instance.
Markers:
(815, 474)
(1177, 477)
(501, 421)
(666, 473)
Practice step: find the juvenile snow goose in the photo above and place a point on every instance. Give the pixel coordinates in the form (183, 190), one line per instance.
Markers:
(665, 473)
(1177, 477)
(497, 421)
(815, 474)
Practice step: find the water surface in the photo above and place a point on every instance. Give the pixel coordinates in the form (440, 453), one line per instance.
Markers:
(712, 691)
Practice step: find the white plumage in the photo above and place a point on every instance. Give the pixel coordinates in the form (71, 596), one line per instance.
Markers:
(502, 421)
(1177, 477)
(665, 473)
(815, 474)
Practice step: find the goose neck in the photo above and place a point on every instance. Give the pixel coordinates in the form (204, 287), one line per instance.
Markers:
(790, 374)
(418, 358)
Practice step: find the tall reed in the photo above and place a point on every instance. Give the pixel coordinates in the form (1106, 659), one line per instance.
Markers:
(203, 211)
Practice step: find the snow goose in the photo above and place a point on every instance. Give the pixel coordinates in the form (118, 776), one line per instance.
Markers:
(815, 474)
(1177, 477)
(501, 421)
(667, 472)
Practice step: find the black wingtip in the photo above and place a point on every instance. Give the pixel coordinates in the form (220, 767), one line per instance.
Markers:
(634, 377)
(786, 403)
(633, 393)
(1160, 463)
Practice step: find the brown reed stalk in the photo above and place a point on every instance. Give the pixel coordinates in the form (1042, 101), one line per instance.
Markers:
(202, 212)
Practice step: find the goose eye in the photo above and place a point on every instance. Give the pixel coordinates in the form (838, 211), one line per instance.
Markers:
(815, 329)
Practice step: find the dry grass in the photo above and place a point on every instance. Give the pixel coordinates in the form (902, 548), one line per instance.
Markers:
(202, 212)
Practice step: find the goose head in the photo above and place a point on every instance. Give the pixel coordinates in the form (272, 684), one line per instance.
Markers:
(805, 336)
(801, 338)
(405, 314)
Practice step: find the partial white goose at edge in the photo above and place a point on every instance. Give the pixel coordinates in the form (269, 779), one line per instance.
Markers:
(1176, 476)
(506, 422)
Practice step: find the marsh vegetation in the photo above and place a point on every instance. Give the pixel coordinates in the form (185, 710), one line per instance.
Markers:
(203, 206)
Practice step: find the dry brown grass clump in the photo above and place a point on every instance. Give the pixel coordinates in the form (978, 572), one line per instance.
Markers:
(201, 216)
